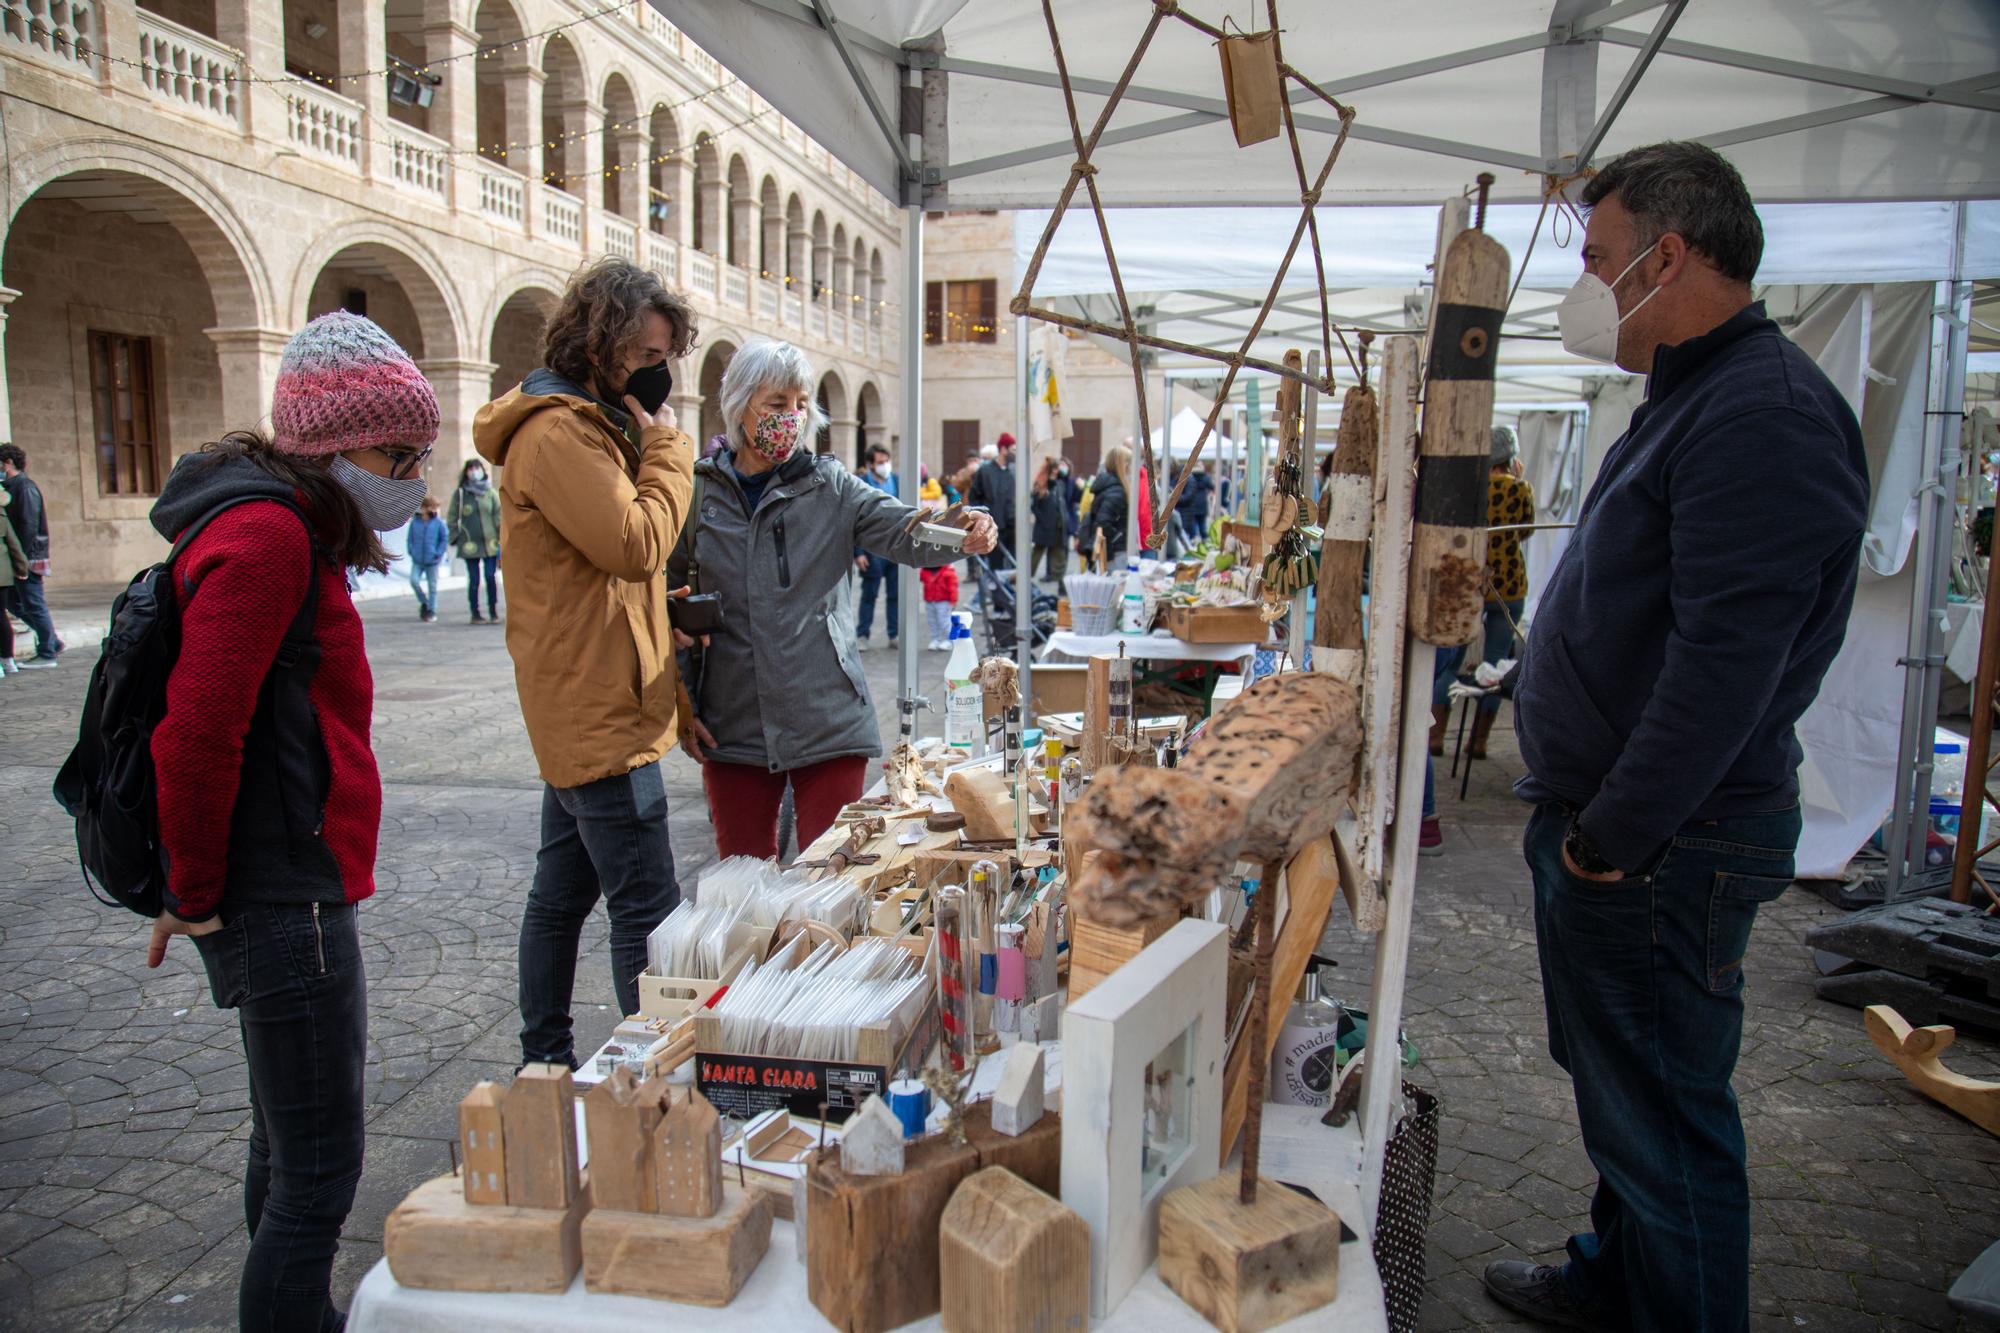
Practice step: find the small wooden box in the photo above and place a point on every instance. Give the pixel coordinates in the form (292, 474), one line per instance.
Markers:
(1217, 624)
(1058, 688)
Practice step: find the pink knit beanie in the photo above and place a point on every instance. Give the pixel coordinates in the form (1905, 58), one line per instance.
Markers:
(344, 384)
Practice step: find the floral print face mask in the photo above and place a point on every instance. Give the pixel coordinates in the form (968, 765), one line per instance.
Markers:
(777, 434)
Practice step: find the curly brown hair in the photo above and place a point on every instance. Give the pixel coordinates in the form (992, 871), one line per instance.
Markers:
(601, 313)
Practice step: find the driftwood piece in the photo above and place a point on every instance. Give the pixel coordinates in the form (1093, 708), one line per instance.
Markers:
(981, 795)
(1346, 506)
(1448, 557)
(1267, 776)
(1915, 1051)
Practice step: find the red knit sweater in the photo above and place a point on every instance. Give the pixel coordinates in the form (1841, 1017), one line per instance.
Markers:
(249, 568)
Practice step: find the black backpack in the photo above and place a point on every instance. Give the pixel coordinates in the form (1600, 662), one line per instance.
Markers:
(107, 783)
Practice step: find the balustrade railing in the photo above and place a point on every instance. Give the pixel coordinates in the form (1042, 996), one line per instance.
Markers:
(621, 238)
(562, 217)
(702, 275)
(419, 162)
(816, 319)
(795, 308)
(736, 287)
(770, 296)
(663, 256)
(503, 194)
(323, 123)
(61, 32)
(186, 69)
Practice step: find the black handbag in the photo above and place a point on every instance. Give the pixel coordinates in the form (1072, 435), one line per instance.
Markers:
(699, 612)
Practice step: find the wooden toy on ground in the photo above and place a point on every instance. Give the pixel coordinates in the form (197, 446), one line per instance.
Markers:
(701, 1238)
(1915, 1051)
(513, 1221)
(1010, 1257)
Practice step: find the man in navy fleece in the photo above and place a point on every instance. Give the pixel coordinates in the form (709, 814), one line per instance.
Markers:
(1689, 624)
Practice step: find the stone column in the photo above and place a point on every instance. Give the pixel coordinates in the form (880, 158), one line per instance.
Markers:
(713, 219)
(686, 399)
(874, 433)
(630, 181)
(798, 248)
(521, 88)
(771, 257)
(257, 29)
(822, 270)
(744, 226)
(843, 276)
(462, 388)
(363, 43)
(249, 361)
(583, 165)
(842, 437)
(677, 180)
(449, 46)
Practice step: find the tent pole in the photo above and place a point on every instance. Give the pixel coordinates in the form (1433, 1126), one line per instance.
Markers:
(1924, 662)
(909, 465)
(1024, 458)
(1166, 449)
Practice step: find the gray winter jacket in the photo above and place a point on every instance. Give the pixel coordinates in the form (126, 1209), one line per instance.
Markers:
(781, 683)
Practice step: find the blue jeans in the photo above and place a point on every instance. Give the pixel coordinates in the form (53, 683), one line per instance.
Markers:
(421, 575)
(28, 602)
(491, 564)
(1499, 644)
(872, 578)
(1643, 983)
(292, 972)
(604, 839)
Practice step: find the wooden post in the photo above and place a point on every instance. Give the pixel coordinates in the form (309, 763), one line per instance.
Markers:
(1448, 561)
(1345, 514)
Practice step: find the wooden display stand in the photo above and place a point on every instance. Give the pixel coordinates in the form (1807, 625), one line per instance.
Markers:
(693, 1260)
(1248, 1267)
(872, 1241)
(1011, 1257)
(435, 1239)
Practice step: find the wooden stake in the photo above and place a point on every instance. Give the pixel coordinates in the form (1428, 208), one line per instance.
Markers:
(1257, 1036)
(1346, 514)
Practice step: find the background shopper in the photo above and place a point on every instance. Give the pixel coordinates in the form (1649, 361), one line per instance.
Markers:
(28, 515)
(474, 519)
(427, 545)
(13, 568)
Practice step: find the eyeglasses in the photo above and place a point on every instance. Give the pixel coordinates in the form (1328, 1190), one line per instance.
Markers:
(404, 463)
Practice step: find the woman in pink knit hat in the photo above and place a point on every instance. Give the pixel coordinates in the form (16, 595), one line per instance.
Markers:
(269, 799)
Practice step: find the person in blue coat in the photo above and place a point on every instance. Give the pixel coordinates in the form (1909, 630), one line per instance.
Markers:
(429, 547)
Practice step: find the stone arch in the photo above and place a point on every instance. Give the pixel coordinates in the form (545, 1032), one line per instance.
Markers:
(832, 396)
(714, 360)
(771, 234)
(878, 288)
(513, 332)
(372, 246)
(741, 243)
(839, 262)
(862, 301)
(241, 286)
(871, 421)
(708, 192)
(798, 262)
(496, 25)
(565, 84)
(822, 277)
(663, 169)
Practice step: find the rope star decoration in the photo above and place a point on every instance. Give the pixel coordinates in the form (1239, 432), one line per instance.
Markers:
(1083, 172)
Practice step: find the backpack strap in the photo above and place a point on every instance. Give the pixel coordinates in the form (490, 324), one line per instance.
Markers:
(691, 536)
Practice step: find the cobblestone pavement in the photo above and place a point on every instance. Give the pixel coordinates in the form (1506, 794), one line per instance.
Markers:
(123, 1111)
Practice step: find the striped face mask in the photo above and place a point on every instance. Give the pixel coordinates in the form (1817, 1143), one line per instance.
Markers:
(385, 503)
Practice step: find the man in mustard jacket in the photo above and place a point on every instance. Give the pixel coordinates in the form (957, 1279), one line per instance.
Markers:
(595, 481)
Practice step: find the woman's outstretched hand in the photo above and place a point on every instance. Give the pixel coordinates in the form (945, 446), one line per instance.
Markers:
(981, 533)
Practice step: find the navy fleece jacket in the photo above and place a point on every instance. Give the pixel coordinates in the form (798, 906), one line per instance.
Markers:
(1702, 597)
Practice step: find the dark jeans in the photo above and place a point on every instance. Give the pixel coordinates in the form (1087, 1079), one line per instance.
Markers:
(1643, 982)
(28, 602)
(294, 977)
(872, 578)
(491, 564)
(604, 839)
(1500, 643)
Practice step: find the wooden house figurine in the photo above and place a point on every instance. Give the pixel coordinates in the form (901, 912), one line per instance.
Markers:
(620, 1116)
(540, 1135)
(481, 1145)
(1017, 1101)
(687, 1158)
(871, 1144)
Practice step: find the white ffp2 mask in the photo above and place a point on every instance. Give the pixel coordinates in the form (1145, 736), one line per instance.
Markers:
(1589, 318)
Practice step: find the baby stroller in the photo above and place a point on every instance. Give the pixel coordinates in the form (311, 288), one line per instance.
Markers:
(994, 574)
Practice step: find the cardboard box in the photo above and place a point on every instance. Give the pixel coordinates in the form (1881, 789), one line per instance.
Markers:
(745, 1086)
(1058, 688)
(1217, 624)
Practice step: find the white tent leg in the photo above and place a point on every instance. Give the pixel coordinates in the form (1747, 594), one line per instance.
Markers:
(1382, 1076)
(910, 460)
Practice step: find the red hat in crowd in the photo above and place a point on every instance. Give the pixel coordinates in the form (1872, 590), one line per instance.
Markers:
(1006, 440)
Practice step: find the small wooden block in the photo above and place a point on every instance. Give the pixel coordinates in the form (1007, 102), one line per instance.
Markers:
(1017, 1101)
(692, 1260)
(540, 1137)
(687, 1158)
(619, 1117)
(1246, 1269)
(435, 1239)
(1010, 1257)
(482, 1146)
(1097, 950)
(982, 796)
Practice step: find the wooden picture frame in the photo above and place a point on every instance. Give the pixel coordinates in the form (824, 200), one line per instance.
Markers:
(1155, 1025)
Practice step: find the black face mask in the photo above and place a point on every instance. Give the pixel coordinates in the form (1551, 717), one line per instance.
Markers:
(650, 385)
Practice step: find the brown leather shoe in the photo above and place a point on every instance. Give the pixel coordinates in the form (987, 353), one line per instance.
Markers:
(1440, 719)
(1482, 727)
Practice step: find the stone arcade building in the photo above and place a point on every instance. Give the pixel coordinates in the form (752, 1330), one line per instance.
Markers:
(188, 181)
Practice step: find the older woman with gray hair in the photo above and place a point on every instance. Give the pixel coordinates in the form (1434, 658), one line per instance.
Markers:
(779, 696)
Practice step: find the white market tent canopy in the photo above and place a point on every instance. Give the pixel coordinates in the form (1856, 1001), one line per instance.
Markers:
(1891, 99)
(1182, 431)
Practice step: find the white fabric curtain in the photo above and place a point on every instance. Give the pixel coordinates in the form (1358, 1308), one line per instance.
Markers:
(1552, 462)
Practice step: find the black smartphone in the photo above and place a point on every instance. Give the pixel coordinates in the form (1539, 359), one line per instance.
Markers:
(696, 614)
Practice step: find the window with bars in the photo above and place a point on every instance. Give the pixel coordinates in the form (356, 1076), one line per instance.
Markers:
(130, 457)
(961, 311)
